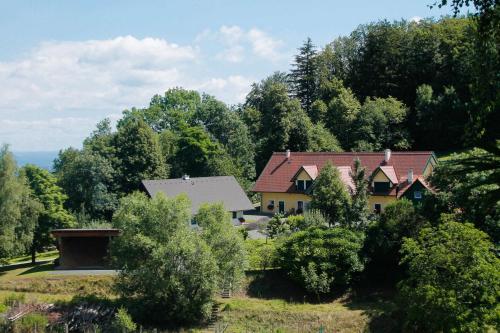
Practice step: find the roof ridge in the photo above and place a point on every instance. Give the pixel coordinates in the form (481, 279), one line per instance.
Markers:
(421, 152)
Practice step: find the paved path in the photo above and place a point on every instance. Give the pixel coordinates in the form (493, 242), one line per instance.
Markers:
(84, 272)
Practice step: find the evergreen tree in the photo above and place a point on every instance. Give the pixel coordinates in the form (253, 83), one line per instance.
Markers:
(53, 216)
(304, 75)
(359, 206)
(330, 195)
(138, 155)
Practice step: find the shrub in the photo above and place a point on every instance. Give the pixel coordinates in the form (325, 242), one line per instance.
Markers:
(261, 253)
(167, 271)
(384, 239)
(320, 258)
(33, 322)
(123, 323)
(453, 282)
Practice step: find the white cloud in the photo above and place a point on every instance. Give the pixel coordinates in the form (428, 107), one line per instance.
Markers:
(416, 19)
(53, 96)
(263, 45)
(236, 43)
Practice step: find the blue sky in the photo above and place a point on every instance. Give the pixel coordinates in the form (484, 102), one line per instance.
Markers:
(64, 65)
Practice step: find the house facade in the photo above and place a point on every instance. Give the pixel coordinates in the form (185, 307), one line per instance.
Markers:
(287, 181)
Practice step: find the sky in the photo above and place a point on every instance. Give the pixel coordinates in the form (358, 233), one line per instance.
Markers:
(65, 65)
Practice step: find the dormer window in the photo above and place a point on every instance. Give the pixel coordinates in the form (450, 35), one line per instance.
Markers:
(381, 187)
(303, 184)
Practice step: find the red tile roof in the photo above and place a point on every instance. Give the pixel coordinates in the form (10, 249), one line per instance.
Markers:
(279, 171)
(390, 173)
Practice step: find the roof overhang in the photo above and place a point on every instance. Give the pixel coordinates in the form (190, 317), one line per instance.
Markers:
(58, 233)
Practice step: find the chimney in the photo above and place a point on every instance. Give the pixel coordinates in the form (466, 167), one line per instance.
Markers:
(410, 176)
(287, 154)
(387, 155)
(185, 177)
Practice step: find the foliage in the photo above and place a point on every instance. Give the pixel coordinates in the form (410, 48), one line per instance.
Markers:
(167, 269)
(378, 125)
(123, 323)
(19, 210)
(468, 186)
(225, 242)
(453, 282)
(31, 322)
(88, 179)
(261, 253)
(321, 259)
(359, 213)
(277, 226)
(384, 238)
(53, 216)
(304, 75)
(138, 155)
(330, 195)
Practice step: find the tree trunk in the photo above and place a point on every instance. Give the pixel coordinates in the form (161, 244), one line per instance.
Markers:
(33, 255)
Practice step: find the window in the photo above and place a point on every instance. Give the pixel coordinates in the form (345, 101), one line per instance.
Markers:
(281, 207)
(378, 208)
(234, 215)
(308, 183)
(381, 187)
(270, 205)
(301, 185)
(300, 206)
(417, 195)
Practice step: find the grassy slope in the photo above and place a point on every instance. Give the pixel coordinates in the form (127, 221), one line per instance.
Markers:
(267, 302)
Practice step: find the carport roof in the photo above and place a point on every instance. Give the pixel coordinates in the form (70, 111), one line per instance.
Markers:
(85, 232)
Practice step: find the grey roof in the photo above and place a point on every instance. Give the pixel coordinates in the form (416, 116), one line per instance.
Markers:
(201, 190)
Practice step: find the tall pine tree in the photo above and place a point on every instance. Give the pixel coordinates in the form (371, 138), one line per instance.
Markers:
(303, 75)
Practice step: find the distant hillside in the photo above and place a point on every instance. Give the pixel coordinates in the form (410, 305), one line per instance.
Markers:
(43, 159)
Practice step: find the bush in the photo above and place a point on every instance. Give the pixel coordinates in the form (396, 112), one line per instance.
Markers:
(453, 282)
(261, 253)
(385, 237)
(123, 323)
(167, 271)
(321, 259)
(3, 308)
(33, 322)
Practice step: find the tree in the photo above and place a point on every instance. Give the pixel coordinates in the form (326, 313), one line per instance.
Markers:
(167, 271)
(468, 186)
(379, 125)
(176, 108)
(225, 242)
(453, 282)
(440, 114)
(384, 238)
(330, 195)
(321, 259)
(19, 210)
(359, 213)
(304, 75)
(138, 155)
(88, 179)
(53, 216)
(196, 153)
(322, 140)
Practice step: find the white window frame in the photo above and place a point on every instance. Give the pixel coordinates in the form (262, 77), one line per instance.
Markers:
(417, 195)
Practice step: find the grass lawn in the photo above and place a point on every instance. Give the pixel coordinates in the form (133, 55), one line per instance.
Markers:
(49, 255)
(36, 280)
(270, 303)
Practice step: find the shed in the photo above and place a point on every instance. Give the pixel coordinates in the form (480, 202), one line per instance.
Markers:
(84, 248)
